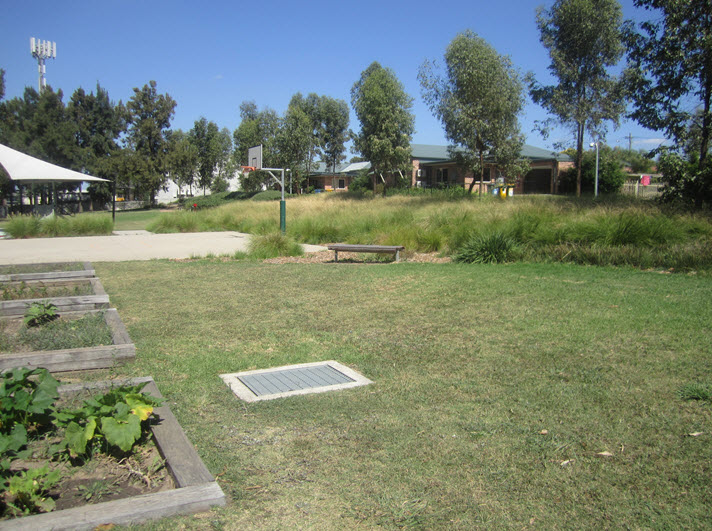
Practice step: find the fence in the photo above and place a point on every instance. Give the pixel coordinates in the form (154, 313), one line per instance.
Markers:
(654, 189)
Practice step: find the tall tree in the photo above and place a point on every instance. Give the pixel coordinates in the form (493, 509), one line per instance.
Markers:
(384, 110)
(257, 127)
(149, 117)
(206, 138)
(294, 139)
(182, 160)
(671, 78)
(335, 118)
(584, 39)
(99, 124)
(478, 102)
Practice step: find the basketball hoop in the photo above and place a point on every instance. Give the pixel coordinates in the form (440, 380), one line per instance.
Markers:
(248, 169)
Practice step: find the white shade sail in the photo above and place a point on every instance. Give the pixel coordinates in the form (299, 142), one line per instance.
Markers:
(21, 167)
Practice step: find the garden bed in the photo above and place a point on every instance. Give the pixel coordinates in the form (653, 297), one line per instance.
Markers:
(63, 270)
(195, 488)
(118, 352)
(97, 299)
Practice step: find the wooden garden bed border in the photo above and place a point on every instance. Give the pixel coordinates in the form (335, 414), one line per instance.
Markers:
(196, 489)
(77, 359)
(75, 303)
(87, 272)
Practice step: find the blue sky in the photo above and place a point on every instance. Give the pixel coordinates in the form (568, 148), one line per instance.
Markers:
(212, 55)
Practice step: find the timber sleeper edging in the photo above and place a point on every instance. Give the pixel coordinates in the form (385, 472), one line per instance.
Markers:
(87, 272)
(196, 489)
(120, 351)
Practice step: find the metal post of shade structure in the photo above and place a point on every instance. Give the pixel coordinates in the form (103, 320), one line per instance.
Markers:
(113, 203)
(595, 193)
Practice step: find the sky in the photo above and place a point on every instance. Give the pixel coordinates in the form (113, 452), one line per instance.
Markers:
(210, 56)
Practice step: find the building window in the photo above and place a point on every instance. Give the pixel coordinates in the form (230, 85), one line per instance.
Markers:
(342, 183)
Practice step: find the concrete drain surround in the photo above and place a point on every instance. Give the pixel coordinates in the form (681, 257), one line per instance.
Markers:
(291, 380)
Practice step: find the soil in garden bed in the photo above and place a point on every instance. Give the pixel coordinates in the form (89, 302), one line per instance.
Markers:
(68, 331)
(103, 477)
(13, 291)
(97, 477)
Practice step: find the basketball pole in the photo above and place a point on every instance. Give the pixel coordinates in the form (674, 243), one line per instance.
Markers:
(282, 204)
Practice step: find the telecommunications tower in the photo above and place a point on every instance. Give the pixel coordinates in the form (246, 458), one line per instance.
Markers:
(42, 50)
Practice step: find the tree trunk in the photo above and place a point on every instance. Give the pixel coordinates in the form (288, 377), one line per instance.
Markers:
(579, 157)
(704, 138)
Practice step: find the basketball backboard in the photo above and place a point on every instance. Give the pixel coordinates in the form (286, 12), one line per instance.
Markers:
(254, 157)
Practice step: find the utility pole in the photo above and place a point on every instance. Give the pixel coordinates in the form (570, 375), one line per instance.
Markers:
(42, 50)
(630, 141)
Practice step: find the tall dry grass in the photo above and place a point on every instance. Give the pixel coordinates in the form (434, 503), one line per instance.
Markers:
(543, 227)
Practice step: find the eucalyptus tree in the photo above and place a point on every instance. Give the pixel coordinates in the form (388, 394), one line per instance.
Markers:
(670, 78)
(383, 109)
(335, 119)
(149, 117)
(257, 127)
(183, 159)
(295, 139)
(585, 40)
(478, 100)
(205, 137)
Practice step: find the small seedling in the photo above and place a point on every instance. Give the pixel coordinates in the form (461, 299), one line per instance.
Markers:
(40, 313)
(96, 490)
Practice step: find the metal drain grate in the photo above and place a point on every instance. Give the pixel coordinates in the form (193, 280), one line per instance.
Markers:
(301, 379)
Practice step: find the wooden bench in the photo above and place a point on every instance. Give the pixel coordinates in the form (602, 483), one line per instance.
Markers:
(393, 249)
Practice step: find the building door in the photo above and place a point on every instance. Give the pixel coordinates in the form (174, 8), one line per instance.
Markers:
(538, 182)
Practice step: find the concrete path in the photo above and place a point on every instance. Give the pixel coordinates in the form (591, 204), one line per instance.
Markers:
(125, 245)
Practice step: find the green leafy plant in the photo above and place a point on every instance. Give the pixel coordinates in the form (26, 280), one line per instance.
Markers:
(39, 313)
(28, 490)
(115, 417)
(27, 397)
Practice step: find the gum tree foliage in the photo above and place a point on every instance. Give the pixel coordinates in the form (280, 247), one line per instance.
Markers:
(149, 117)
(295, 140)
(182, 160)
(99, 124)
(670, 78)
(610, 172)
(383, 109)
(335, 119)
(205, 136)
(478, 101)
(257, 127)
(225, 168)
(584, 39)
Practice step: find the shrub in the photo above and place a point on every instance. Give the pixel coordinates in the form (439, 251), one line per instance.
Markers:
(273, 245)
(268, 195)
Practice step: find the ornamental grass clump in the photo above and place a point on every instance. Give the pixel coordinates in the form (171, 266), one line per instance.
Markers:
(495, 247)
(273, 245)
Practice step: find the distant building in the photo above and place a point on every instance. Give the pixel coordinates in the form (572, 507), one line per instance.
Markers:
(434, 168)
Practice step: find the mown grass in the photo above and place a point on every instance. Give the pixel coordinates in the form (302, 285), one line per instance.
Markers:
(496, 389)
(614, 231)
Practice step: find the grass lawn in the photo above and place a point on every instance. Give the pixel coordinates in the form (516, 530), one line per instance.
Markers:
(496, 388)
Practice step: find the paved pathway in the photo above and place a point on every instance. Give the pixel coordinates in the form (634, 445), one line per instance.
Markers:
(125, 245)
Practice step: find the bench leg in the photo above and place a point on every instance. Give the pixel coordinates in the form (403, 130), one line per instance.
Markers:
(397, 256)
(336, 256)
